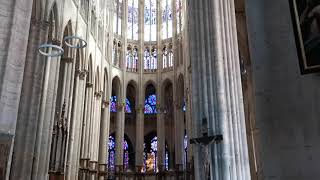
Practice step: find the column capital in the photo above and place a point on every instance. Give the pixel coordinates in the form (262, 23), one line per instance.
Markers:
(98, 94)
(89, 84)
(120, 106)
(56, 42)
(67, 59)
(81, 73)
(139, 108)
(106, 103)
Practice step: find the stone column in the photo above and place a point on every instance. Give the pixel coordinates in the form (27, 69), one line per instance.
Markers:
(139, 135)
(29, 104)
(216, 88)
(75, 130)
(17, 16)
(179, 132)
(104, 135)
(86, 124)
(119, 132)
(161, 138)
(141, 93)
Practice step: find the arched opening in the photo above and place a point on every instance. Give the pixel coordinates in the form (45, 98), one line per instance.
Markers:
(116, 108)
(131, 115)
(128, 152)
(168, 117)
(66, 87)
(150, 154)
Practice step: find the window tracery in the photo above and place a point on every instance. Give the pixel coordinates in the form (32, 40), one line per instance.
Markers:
(133, 19)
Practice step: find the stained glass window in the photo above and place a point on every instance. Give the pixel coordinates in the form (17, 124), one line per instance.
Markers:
(167, 58)
(150, 104)
(114, 53)
(166, 28)
(185, 149)
(112, 153)
(150, 20)
(184, 108)
(150, 157)
(154, 149)
(113, 105)
(179, 15)
(125, 154)
(150, 59)
(128, 106)
(132, 59)
(117, 16)
(133, 19)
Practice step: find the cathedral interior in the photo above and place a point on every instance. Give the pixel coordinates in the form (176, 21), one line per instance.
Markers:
(159, 90)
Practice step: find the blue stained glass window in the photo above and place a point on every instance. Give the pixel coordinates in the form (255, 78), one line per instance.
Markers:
(112, 153)
(150, 106)
(125, 154)
(150, 158)
(113, 104)
(128, 106)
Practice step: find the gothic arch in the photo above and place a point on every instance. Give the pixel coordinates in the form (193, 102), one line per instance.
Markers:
(37, 10)
(116, 87)
(150, 81)
(105, 85)
(90, 70)
(53, 19)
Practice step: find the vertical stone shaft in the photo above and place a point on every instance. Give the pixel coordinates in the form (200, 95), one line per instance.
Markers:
(217, 95)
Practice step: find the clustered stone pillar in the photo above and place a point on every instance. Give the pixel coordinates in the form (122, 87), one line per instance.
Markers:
(139, 137)
(104, 135)
(119, 133)
(217, 93)
(29, 103)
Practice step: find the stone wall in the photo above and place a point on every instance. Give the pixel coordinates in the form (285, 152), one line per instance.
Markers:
(287, 103)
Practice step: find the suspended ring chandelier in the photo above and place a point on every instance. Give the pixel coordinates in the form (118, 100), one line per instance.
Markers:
(81, 42)
(59, 50)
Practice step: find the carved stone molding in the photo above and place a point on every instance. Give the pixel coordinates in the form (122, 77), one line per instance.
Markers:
(98, 94)
(89, 85)
(106, 103)
(67, 59)
(56, 42)
(120, 106)
(139, 108)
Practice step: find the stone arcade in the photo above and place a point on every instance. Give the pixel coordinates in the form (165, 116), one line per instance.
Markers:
(162, 89)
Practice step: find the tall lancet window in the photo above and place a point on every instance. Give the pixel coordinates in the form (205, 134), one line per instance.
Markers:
(150, 59)
(150, 156)
(133, 18)
(179, 14)
(166, 29)
(114, 52)
(132, 59)
(117, 19)
(167, 58)
(112, 153)
(150, 20)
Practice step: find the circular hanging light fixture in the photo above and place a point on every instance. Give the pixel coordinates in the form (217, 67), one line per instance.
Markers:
(81, 42)
(59, 50)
